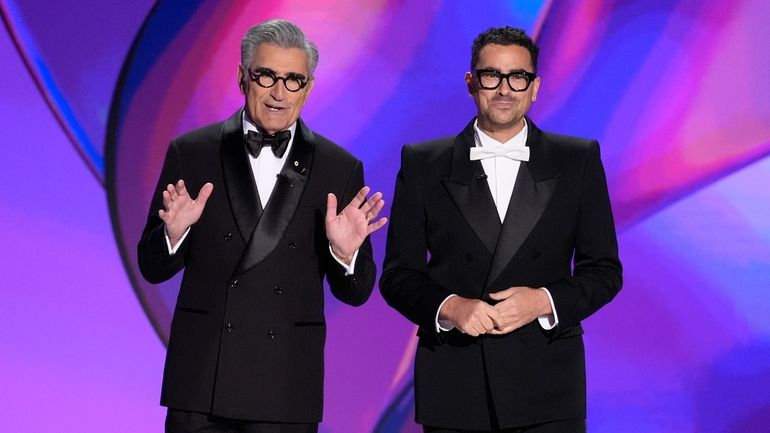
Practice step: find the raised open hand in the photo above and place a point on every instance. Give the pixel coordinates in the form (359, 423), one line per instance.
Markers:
(348, 229)
(180, 211)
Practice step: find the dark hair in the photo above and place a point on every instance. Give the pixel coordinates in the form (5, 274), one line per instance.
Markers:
(504, 36)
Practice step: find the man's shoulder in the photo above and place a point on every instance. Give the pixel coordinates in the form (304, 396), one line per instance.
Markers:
(211, 133)
(441, 149)
(561, 141)
(435, 145)
(430, 150)
(564, 150)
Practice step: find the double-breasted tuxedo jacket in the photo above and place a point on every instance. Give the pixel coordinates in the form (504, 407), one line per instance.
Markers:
(445, 237)
(248, 332)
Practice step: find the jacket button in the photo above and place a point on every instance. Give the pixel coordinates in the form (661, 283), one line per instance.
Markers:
(468, 257)
(228, 236)
(233, 284)
(292, 245)
(272, 335)
(229, 327)
(535, 254)
(277, 290)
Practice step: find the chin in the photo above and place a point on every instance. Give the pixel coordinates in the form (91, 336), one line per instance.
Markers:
(272, 125)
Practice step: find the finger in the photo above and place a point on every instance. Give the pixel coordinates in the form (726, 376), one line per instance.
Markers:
(204, 193)
(331, 207)
(497, 318)
(372, 202)
(503, 294)
(487, 324)
(360, 197)
(181, 189)
(502, 331)
(481, 328)
(166, 199)
(373, 227)
(171, 190)
(375, 209)
(472, 332)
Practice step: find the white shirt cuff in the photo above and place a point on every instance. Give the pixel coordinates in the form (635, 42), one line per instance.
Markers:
(348, 268)
(549, 321)
(444, 324)
(172, 249)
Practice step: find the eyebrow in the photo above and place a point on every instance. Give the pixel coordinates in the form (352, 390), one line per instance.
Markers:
(288, 74)
(512, 71)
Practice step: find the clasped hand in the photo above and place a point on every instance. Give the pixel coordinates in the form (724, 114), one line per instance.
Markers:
(516, 307)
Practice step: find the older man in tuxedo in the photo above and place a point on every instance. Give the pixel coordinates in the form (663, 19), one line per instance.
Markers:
(501, 241)
(264, 228)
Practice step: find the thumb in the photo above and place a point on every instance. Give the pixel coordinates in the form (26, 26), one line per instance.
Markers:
(499, 296)
(496, 317)
(205, 193)
(331, 206)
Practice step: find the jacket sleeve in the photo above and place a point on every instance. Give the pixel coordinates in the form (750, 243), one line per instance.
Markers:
(405, 283)
(597, 272)
(155, 262)
(352, 289)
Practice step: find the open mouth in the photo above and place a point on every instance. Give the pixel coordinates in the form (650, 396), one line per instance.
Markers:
(274, 108)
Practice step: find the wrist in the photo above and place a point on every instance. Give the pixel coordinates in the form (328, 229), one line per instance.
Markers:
(544, 302)
(173, 236)
(445, 312)
(345, 258)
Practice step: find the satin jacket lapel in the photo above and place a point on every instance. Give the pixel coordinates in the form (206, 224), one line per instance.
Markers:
(239, 180)
(532, 191)
(468, 187)
(283, 201)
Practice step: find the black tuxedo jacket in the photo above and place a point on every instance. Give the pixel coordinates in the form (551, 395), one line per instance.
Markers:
(247, 336)
(445, 237)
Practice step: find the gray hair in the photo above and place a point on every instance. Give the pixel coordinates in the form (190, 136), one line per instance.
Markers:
(278, 32)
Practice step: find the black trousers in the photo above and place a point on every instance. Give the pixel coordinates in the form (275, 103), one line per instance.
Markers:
(564, 426)
(181, 421)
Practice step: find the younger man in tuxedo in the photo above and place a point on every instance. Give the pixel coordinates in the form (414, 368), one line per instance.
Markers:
(501, 241)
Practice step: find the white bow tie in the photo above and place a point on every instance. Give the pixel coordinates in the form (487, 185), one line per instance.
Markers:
(518, 153)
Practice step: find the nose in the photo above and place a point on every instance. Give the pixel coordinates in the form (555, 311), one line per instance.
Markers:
(278, 91)
(504, 89)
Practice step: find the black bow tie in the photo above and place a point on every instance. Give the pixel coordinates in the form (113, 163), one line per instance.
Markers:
(255, 141)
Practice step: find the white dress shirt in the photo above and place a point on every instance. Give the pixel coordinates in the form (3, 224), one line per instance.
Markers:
(501, 176)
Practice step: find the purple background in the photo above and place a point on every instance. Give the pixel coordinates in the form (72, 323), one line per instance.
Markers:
(675, 91)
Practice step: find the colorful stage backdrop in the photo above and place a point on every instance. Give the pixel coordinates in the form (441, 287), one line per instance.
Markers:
(677, 92)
